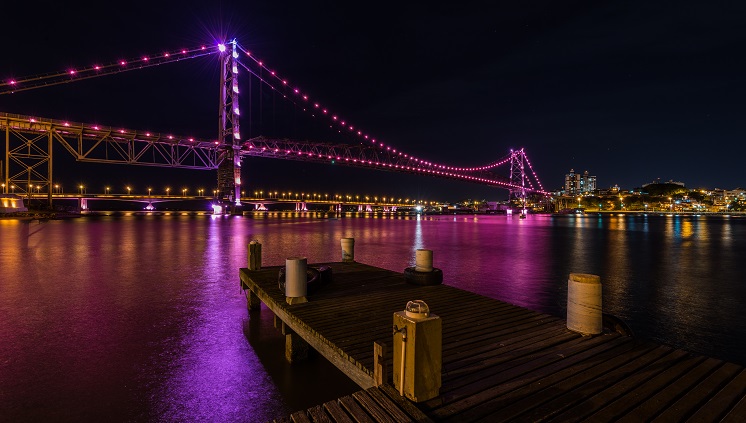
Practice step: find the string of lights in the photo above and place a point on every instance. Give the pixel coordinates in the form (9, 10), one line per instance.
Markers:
(13, 85)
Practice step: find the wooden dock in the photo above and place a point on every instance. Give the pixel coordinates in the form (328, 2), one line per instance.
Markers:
(500, 362)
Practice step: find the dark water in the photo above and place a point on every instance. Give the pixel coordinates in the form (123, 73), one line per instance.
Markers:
(140, 318)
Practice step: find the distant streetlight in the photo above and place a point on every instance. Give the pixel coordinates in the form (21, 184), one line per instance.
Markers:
(129, 190)
(3, 185)
(200, 192)
(12, 189)
(168, 189)
(183, 192)
(81, 189)
(107, 190)
(149, 190)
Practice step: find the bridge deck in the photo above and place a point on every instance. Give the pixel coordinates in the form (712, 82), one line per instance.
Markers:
(500, 362)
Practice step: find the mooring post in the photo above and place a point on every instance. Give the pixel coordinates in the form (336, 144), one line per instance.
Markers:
(255, 255)
(254, 263)
(584, 310)
(348, 249)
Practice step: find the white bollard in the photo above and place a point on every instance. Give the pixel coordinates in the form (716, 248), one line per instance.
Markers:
(255, 255)
(348, 249)
(423, 260)
(295, 277)
(584, 311)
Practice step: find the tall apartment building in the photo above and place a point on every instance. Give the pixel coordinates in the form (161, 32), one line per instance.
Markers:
(576, 183)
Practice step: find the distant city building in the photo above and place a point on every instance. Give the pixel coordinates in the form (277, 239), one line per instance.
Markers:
(576, 184)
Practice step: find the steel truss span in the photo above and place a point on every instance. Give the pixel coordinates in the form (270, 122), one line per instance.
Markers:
(29, 142)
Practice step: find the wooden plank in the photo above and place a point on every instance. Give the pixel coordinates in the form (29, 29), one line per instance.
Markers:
(466, 402)
(735, 414)
(354, 409)
(623, 404)
(318, 415)
(517, 396)
(581, 410)
(526, 400)
(300, 417)
(654, 404)
(337, 413)
(407, 406)
(391, 407)
(697, 396)
(719, 405)
(599, 381)
(370, 405)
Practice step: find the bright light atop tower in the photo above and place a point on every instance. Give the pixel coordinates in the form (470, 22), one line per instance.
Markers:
(221, 47)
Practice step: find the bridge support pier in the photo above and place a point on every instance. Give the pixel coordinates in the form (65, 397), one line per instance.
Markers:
(83, 204)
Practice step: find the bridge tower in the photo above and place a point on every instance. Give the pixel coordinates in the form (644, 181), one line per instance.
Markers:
(518, 178)
(229, 135)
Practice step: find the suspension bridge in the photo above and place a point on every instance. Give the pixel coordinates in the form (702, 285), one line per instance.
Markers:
(29, 139)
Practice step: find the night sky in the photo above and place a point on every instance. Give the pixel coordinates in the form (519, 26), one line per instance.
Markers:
(630, 91)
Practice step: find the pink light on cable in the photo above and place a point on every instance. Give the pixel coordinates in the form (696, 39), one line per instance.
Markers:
(166, 55)
(12, 82)
(145, 58)
(66, 124)
(72, 72)
(97, 67)
(122, 63)
(183, 51)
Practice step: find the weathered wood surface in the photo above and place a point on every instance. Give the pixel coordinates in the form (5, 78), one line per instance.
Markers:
(500, 362)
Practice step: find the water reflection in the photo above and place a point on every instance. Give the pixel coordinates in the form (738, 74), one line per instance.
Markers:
(141, 316)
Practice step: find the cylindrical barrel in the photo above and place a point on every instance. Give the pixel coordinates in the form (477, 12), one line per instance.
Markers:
(584, 311)
(295, 276)
(255, 255)
(423, 260)
(348, 249)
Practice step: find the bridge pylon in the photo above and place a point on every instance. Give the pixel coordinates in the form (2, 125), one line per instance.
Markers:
(229, 134)
(518, 178)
